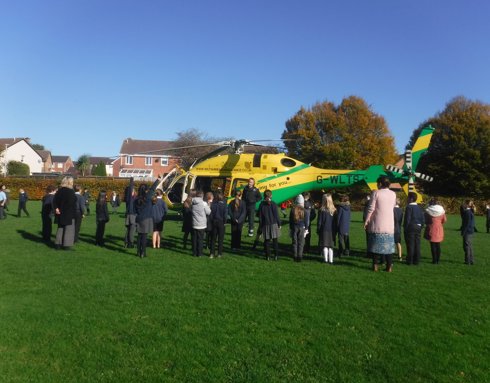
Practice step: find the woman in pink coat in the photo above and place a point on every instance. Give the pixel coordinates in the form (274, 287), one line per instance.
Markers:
(435, 217)
(380, 223)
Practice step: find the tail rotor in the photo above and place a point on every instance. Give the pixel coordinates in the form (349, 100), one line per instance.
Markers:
(409, 173)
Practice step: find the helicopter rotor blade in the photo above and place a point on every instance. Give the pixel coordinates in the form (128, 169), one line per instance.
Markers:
(424, 177)
(408, 160)
(394, 169)
(171, 149)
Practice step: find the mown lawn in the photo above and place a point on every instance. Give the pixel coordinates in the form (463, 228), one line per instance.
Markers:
(104, 315)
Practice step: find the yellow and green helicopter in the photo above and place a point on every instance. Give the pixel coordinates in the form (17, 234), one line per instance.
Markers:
(286, 177)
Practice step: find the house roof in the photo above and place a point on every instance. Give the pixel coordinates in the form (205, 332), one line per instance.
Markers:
(145, 147)
(98, 160)
(6, 142)
(60, 158)
(44, 154)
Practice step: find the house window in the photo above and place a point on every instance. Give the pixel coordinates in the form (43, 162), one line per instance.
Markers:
(148, 161)
(59, 164)
(129, 160)
(164, 161)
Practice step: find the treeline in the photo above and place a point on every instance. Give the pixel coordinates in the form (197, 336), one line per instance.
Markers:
(352, 136)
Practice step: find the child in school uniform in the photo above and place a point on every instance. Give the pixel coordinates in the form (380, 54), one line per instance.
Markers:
(326, 227)
(297, 227)
(269, 224)
(467, 231)
(237, 212)
(413, 223)
(219, 212)
(101, 217)
(200, 211)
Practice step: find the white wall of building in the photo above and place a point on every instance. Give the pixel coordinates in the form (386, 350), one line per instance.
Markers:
(21, 151)
(109, 170)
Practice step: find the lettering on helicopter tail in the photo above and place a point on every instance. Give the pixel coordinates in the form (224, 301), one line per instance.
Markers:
(319, 179)
(345, 179)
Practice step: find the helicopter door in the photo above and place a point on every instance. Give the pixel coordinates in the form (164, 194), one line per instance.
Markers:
(211, 184)
(174, 186)
(188, 185)
(240, 183)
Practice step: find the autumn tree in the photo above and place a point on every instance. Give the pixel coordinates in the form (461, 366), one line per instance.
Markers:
(459, 154)
(350, 135)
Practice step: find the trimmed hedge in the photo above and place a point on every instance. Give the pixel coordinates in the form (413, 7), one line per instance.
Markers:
(36, 186)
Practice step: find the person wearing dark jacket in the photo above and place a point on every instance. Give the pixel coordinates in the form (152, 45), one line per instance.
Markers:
(47, 213)
(413, 223)
(310, 215)
(297, 227)
(101, 217)
(22, 202)
(219, 212)
(144, 217)
(159, 211)
(187, 218)
(64, 204)
(87, 197)
(79, 211)
(326, 227)
(130, 219)
(251, 195)
(115, 201)
(398, 216)
(269, 224)
(237, 213)
(343, 225)
(208, 197)
(467, 231)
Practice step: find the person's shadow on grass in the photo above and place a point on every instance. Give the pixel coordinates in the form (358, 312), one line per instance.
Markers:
(35, 238)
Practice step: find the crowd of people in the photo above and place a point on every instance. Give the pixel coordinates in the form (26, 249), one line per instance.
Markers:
(204, 217)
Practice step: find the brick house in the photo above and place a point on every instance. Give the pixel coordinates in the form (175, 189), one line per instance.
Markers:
(144, 159)
(61, 164)
(47, 160)
(108, 163)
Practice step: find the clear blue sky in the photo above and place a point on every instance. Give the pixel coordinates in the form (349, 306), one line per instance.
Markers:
(80, 76)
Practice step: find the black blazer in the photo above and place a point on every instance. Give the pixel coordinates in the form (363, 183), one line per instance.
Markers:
(66, 201)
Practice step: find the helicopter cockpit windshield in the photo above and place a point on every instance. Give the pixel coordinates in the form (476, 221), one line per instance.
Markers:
(173, 185)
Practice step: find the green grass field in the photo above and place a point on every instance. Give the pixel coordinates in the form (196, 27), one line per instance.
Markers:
(104, 315)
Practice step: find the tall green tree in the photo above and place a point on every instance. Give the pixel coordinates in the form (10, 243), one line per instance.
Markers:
(350, 135)
(459, 154)
(99, 170)
(83, 164)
